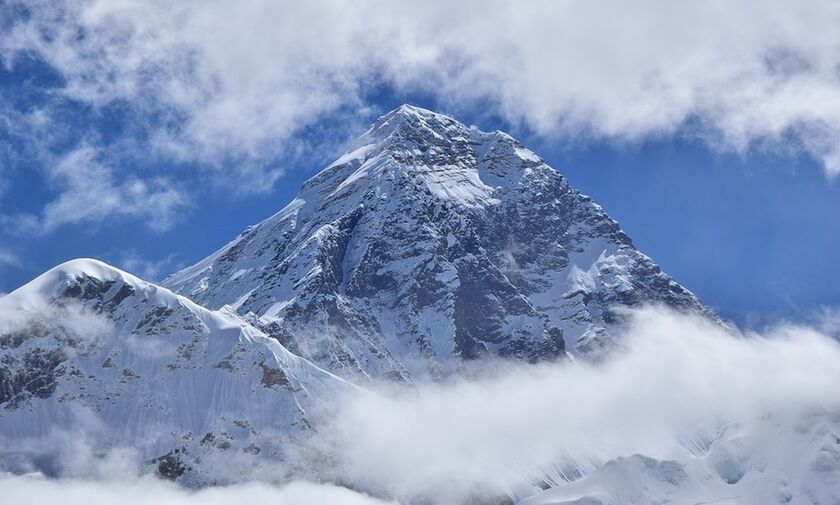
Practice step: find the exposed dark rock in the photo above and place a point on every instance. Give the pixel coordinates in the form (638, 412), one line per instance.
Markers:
(170, 466)
(35, 376)
(272, 376)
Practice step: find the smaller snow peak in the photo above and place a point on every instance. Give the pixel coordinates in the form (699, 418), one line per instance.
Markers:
(67, 278)
(89, 267)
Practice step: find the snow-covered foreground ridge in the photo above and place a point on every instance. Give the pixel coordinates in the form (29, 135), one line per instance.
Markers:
(92, 351)
(401, 328)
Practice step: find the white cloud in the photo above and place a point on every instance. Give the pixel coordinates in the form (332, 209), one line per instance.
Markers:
(239, 80)
(69, 321)
(89, 191)
(39, 491)
(679, 376)
(827, 319)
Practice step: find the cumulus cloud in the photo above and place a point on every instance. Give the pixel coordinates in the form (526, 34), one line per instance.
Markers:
(238, 80)
(226, 92)
(213, 83)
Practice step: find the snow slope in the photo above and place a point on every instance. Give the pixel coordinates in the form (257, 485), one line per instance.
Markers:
(774, 462)
(93, 352)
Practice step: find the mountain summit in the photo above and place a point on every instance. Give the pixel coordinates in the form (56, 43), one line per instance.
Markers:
(429, 244)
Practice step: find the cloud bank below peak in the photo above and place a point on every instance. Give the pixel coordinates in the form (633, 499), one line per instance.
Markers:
(37, 490)
(680, 379)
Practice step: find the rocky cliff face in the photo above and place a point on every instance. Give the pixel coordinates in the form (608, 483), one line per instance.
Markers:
(427, 245)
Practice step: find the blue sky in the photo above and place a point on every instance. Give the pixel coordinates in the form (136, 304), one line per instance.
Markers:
(149, 139)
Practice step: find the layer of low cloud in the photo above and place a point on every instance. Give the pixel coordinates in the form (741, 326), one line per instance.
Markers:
(679, 377)
(36, 490)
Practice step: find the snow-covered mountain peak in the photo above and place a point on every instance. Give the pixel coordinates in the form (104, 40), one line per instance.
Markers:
(62, 275)
(85, 281)
(412, 152)
(417, 136)
(428, 244)
(407, 118)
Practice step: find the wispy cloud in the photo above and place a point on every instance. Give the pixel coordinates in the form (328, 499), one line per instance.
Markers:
(147, 269)
(7, 258)
(89, 191)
